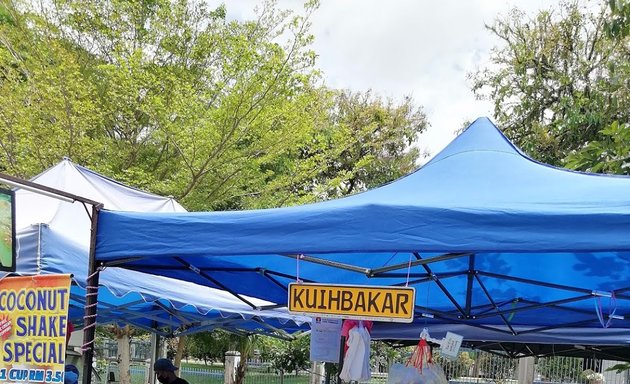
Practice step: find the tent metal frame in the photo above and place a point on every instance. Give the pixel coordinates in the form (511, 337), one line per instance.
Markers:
(464, 313)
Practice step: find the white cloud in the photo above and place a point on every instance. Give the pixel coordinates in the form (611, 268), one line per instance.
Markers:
(407, 47)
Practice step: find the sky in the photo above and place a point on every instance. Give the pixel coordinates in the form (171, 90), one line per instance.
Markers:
(418, 48)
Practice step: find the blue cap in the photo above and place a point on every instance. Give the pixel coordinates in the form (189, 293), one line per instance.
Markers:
(72, 368)
(164, 365)
(70, 378)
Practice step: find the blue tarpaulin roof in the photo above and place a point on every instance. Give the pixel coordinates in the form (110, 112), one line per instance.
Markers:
(154, 303)
(489, 238)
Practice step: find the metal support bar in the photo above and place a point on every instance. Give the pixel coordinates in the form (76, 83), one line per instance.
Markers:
(213, 280)
(535, 306)
(150, 315)
(469, 285)
(480, 326)
(418, 274)
(617, 291)
(573, 324)
(271, 306)
(275, 281)
(536, 282)
(572, 310)
(329, 263)
(485, 291)
(282, 334)
(487, 308)
(267, 273)
(155, 354)
(441, 286)
(421, 261)
(91, 300)
(422, 311)
(287, 276)
(413, 282)
(117, 262)
(426, 278)
(45, 190)
(172, 312)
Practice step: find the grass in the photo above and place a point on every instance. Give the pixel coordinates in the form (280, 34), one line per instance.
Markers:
(213, 374)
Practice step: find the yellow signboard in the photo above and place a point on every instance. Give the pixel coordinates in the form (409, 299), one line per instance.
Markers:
(353, 301)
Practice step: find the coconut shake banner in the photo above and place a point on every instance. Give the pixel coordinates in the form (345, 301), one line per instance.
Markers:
(33, 326)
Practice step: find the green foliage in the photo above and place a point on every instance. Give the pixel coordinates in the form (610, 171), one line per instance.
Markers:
(609, 154)
(619, 368)
(383, 355)
(362, 142)
(618, 25)
(456, 368)
(559, 368)
(556, 81)
(497, 367)
(212, 346)
(289, 356)
(172, 97)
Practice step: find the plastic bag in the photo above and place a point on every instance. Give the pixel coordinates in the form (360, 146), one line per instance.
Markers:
(402, 374)
(420, 368)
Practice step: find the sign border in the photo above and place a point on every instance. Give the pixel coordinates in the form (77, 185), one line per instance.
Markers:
(355, 317)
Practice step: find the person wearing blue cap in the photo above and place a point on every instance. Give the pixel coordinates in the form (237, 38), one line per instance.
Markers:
(165, 371)
(71, 375)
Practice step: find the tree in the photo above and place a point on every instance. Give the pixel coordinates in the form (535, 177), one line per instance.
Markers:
(364, 141)
(618, 25)
(556, 81)
(609, 154)
(291, 356)
(174, 98)
(210, 346)
(123, 336)
(380, 136)
(47, 110)
(182, 100)
(383, 355)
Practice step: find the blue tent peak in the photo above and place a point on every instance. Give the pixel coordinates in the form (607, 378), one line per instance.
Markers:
(481, 135)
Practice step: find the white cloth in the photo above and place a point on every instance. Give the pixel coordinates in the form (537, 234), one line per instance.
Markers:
(356, 363)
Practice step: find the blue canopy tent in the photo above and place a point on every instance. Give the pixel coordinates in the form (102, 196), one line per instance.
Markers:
(53, 237)
(154, 303)
(507, 247)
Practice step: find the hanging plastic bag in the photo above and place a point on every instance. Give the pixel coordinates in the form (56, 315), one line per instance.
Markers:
(419, 369)
(356, 364)
(421, 356)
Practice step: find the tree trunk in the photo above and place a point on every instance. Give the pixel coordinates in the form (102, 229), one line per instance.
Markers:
(123, 337)
(241, 368)
(181, 344)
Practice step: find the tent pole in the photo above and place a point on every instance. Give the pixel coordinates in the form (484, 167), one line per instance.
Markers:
(155, 354)
(469, 287)
(342, 350)
(91, 299)
(419, 261)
